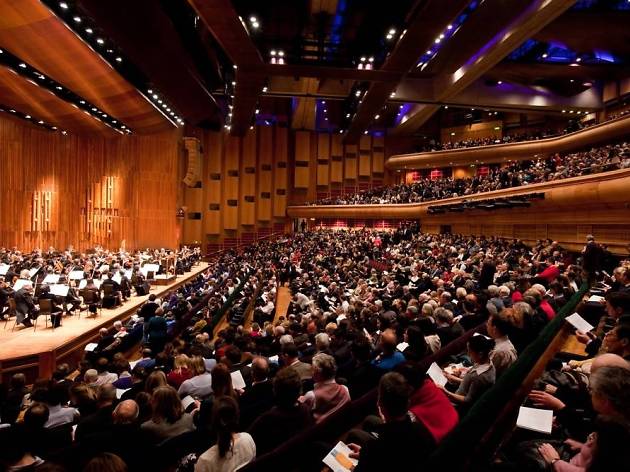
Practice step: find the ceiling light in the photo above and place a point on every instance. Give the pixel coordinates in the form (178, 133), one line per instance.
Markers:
(54, 127)
(63, 5)
(377, 117)
(235, 66)
(449, 27)
(28, 117)
(499, 82)
(579, 59)
(253, 19)
(340, 131)
(571, 111)
(255, 25)
(437, 40)
(272, 52)
(100, 41)
(571, 80)
(264, 89)
(392, 95)
(325, 118)
(233, 82)
(88, 30)
(564, 111)
(59, 87)
(155, 96)
(544, 56)
(574, 64)
(587, 84)
(150, 91)
(41, 122)
(347, 115)
(446, 107)
(452, 134)
(429, 51)
(22, 65)
(82, 102)
(160, 102)
(64, 132)
(94, 109)
(392, 31)
(77, 19)
(442, 36)
(257, 111)
(363, 59)
(365, 132)
(325, 110)
(281, 53)
(357, 93)
(371, 59)
(119, 59)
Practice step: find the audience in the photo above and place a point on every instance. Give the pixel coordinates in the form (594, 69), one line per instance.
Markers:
(516, 174)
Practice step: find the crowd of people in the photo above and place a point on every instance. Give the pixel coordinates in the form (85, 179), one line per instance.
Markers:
(515, 174)
(367, 306)
(59, 283)
(487, 141)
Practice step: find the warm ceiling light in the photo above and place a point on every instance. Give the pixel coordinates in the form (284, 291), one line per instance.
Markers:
(82, 102)
(77, 19)
(446, 107)
(253, 19)
(363, 59)
(119, 59)
(22, 65)
(63, 5)
(499, 82)
(452, 134)
(54, 127)
(257, 111)
(574, 64)
(41, 122)
(64, 132)
(281, 53)
(255, 25)
(377, 117)
(59, 87)
(89, 30)
(544, 56)
(272, 52)
(365, 132)
(449, 27)
(100, 41)
(357, 93)
(347, 115)
(371, 59)
(392, 95)
(587, 84)
(392, 31)
(442, 36)
(579, 59)
(437, 40)
(325, 110)
(564, 111)
(264, 89)
(28, 117)
(155, 96)
(429, 51)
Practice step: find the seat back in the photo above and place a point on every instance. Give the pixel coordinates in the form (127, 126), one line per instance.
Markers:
(12, 306)
(45, 306)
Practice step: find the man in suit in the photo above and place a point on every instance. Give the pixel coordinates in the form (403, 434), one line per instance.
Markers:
(291, 361)
(55, 310)
(258, 398)
(25, 306)
(112, 291)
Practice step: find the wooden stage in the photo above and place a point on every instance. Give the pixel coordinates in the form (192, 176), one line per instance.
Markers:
(36, 353)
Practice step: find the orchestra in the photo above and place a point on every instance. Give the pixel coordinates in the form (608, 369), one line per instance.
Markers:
(71, 281)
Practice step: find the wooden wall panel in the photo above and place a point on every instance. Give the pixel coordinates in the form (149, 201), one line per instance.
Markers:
(230, 188)
(336, 156)
(302, 159)
(143, 171)
(265, 173)
(350, 162)
(212, 182)
(323, 158)
(280, 173)
(365, 156)
(378, 155)
(248, 180)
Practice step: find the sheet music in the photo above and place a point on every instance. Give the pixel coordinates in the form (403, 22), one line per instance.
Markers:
(117, 278)
(51, 279)
(59, 290)
(76, 275)
(402, 346)
(104, 268)
(21, 283)
(128, 274)
(4, 268)
(33, 271)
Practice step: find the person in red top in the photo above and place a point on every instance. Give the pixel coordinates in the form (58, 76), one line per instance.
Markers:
(549, 274)
(428, 404)
(181, 371)
(544, 304)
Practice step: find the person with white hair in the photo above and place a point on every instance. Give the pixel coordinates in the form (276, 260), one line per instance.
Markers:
(327, 395)
(25, 308)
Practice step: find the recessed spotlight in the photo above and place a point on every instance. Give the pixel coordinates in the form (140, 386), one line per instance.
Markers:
(429, 51)
(392, 95)
(545, 55)
(272, 52)
(94, 109)
(28, 117)
(100, 41)
(160, 102)
(77, 19)
(63, 5)
(255, 25)
(257, 111)
(365, 132)
(150, 91)
(253, 19)
(119, 59)
(357, 93)
(452, 134)
(564, 111)
(392, 31)
(235, 66)
(363, 59)
(64, 132)
(499, 82)
(58, 87)
(377, 117)
(281, 53)
(371, 59)
(89, 30)
(572, 80)
(437, 40)
(325, 110)
(54, 127)
(264, 89)
(347, 115)
(233, 83)
(41, 122)
(579, 59)
(574, 64)
(326, 118)
(22, 65)
(155, 96)
(446, 107)
(82, 102)
(449, 27)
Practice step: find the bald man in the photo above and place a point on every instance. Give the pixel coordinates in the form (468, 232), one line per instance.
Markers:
(126, 412)
(257, 398)
(389, 357)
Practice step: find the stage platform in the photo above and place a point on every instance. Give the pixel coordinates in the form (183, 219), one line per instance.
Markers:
(36, 353)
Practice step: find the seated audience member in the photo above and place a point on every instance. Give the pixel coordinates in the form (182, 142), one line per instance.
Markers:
(417, 348)
(200, 384)
(59, 414)
(146, 362)
(258, 397)
(221, 387)
(168, 418)
(181, 371)
(389, 357)
(102, 418)
(446, 327)
(13, 401)
(104, 375)
(504, 353)
(233, 449)
(287, 418)
(106, 462)
(400, 442)
(327, 396)
(617, 341)
(479, 378)
(291, 360)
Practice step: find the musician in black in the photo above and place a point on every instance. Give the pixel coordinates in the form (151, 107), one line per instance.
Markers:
(56, 310)
(25, 306)
(5, 293)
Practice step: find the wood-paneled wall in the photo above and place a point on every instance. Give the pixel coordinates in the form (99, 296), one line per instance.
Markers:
(248, 182)
(110, 192)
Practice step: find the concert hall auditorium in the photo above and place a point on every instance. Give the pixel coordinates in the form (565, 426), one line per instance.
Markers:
(314, 235)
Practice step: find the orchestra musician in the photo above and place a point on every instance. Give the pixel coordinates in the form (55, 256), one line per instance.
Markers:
(25, 307)
(56, 310)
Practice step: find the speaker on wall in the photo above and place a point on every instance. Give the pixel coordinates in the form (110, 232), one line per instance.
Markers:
(193, 171)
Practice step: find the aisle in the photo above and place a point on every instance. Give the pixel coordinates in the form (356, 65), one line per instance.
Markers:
(283, 299)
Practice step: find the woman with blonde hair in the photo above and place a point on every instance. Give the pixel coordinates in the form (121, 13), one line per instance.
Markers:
(181, 371)
(156, 379)
(200, 384)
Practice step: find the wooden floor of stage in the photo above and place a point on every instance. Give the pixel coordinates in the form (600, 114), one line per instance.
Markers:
(27, 342)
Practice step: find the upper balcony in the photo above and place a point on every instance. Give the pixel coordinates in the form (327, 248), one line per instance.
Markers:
(496, 153)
